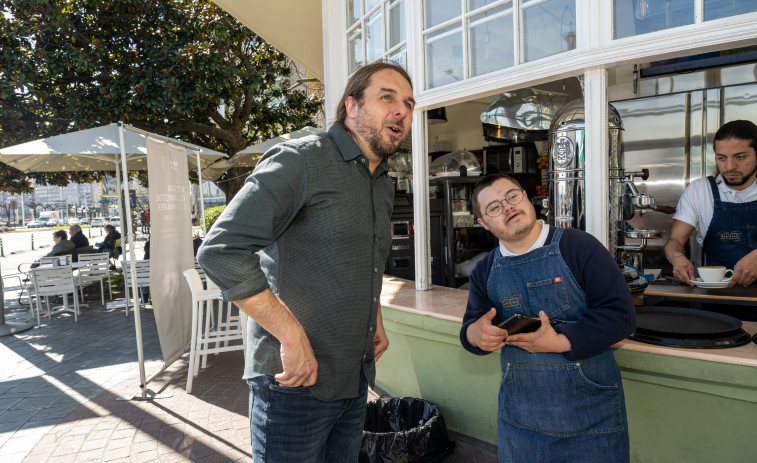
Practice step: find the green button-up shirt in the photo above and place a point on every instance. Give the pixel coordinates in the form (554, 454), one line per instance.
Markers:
(311, 223)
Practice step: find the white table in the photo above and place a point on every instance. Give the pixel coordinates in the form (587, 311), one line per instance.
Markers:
(74, 266)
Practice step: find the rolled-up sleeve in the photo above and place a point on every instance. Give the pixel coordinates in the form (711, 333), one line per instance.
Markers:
(253, 220)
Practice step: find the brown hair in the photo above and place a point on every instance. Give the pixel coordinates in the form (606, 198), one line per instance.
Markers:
(61, 234)
(359, 82)
(483, 183)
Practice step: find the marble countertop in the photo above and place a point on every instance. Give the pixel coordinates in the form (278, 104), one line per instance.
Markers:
(449, 304)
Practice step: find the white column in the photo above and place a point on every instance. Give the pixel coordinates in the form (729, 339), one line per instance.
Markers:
(597, 174)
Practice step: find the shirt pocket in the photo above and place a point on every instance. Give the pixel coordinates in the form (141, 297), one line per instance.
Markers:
(550, 295)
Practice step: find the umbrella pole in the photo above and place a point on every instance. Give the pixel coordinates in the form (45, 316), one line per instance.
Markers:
(134, 293)
(202, 198)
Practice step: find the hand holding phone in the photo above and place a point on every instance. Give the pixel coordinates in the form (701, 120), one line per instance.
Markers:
(519, 323)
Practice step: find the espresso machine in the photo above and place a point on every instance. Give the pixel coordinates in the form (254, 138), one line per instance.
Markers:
(567, 187)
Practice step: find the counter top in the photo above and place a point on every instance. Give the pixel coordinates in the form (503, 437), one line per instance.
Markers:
(449, 304)
(678, 291)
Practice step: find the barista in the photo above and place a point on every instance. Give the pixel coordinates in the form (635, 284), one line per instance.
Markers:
(722, 209)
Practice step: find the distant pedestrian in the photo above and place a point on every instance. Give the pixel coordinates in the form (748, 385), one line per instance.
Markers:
(63, 246)
(77, 237)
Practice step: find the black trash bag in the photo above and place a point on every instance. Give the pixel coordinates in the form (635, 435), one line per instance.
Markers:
(404, 430)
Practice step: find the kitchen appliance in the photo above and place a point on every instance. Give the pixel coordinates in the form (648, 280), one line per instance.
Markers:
(458, 163)
(522, 115)
(567, 182)
(401, 260)
(514, 159)
(688, 328)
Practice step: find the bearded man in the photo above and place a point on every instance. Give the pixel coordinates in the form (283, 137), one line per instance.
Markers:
(301, 249)
(722, 209)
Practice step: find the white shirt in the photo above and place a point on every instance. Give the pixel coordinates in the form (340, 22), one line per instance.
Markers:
(537, 244)
(696, 204)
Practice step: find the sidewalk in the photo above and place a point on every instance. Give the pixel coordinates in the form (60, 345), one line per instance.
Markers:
(59, 384)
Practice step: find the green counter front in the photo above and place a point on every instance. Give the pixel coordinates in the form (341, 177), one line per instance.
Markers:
(684, 405)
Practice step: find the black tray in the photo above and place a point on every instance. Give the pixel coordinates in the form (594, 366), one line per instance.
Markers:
(739, 339)
(680, 322)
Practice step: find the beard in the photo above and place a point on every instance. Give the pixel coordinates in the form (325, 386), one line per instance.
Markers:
(743, 180)
(373, 138)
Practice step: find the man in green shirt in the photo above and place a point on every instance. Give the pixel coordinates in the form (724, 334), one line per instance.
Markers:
(301, 249)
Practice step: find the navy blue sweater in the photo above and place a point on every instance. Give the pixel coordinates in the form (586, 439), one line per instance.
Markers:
(611, 315)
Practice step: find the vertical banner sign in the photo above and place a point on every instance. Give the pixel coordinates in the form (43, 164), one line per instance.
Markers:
(170, 246)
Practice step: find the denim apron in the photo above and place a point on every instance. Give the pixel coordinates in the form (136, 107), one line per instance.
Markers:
(552, 409)
(733, 230)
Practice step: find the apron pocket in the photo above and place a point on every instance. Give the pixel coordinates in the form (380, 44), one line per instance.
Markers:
(751, 236)
(551, 296)
(559, 400)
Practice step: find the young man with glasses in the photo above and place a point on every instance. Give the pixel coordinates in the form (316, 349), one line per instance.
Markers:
(561, 396)
(301, 249)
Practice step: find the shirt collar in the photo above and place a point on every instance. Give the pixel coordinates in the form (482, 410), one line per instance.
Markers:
(348, 148)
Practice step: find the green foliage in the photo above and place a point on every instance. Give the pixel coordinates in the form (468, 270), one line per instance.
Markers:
(211, 215)
(181, 68)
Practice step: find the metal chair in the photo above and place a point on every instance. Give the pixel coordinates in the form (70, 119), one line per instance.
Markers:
(78, 252)
(96, 270)
(207, 339)
(143, 279)
(57, 281)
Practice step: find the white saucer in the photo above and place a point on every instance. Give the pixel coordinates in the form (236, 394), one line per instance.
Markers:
(711, 285)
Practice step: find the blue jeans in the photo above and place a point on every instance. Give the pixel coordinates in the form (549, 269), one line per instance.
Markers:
(291, 425)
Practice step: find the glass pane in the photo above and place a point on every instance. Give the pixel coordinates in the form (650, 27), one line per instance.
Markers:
(475, 4)
(549, 27)
(643, 16)
(395, 23)
(355, 50)
(400, 57)
(491, 41)
(374, 37)
(437, 11)
(714, 9)
(369, 4)
(354, 11)
(444, 56)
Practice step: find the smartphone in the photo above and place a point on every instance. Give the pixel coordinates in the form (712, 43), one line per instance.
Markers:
(520, 324)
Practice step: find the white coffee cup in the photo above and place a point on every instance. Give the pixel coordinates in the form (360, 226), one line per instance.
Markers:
(713, 274)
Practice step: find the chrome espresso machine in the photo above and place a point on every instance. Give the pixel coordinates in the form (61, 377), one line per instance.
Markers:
(567, 187)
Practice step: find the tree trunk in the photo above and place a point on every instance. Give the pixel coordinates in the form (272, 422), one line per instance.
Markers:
(237, 177)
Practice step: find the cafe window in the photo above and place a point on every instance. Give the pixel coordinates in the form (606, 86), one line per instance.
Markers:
(548, 27)
(376, 29)
(643, 16)
(716, 9)
(491, 40)
(468, 38)
(638, 17)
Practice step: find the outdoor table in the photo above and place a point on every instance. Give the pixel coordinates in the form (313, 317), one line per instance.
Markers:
(74, 266)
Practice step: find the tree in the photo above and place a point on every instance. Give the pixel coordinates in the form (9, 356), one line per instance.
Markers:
(181, 68)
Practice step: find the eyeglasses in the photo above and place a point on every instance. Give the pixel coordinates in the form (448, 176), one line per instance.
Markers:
(495, 208)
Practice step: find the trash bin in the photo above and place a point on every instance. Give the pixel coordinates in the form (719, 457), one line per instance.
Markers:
(404, 430)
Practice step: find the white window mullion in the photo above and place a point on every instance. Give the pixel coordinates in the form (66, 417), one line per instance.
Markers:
(464, 25)
(698, 11)
(516, 32)
(421, 215)
(597, 158)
